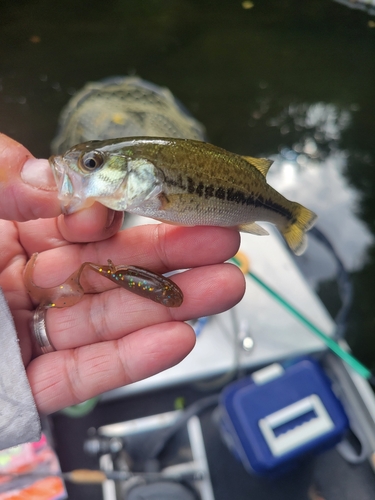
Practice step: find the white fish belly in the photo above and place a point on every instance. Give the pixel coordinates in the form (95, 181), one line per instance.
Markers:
(209, 215)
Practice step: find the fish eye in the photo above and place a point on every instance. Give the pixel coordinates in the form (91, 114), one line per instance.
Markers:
(91, 161)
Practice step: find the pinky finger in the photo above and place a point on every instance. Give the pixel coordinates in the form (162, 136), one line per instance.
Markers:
(64, 378)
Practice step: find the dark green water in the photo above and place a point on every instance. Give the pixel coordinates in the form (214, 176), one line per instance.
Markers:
(290, 79)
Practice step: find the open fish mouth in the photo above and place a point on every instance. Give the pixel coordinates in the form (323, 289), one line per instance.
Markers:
(68, 194)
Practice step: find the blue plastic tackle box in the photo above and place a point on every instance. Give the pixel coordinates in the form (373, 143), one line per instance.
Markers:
(279, 415)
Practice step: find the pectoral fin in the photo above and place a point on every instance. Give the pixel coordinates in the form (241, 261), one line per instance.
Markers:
(164, 201)
(253, 228)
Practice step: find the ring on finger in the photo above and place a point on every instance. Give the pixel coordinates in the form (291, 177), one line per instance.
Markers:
(40, 331)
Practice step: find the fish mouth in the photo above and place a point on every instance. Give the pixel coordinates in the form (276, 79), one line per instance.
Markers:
(68, 194)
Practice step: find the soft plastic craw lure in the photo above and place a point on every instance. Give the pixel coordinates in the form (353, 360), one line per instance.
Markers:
(135, 279)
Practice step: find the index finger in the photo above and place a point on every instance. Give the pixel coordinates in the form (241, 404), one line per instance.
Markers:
(158, 247)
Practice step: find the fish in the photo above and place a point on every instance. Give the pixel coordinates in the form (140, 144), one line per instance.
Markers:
(179, 181)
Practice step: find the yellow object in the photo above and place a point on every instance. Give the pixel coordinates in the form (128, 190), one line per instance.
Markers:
(243, 262)
(247, 5)
(87, 476)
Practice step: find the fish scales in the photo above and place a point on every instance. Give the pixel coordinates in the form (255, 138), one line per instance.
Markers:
(215, 177)
(179, 181)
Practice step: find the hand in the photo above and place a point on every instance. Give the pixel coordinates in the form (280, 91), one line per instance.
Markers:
(111, 337)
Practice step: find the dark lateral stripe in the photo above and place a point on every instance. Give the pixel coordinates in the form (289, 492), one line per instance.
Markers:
(191, 185)
(269, 204)
(231, 195)
(220, 193)
(179, 182)
(199, 189)
(209, 192)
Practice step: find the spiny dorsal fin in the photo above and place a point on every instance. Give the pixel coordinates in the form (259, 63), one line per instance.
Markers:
(261, 164)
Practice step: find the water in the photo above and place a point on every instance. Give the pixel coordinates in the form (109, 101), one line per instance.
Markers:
(286, 79)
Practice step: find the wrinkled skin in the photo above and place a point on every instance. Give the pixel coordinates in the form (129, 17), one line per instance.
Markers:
(111, 337)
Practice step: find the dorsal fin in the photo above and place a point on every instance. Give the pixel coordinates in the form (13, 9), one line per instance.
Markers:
(261, 164)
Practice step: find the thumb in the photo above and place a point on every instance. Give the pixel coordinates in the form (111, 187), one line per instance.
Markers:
(27, 188)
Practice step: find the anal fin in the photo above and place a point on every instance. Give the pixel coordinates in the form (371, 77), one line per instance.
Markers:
(253, 228)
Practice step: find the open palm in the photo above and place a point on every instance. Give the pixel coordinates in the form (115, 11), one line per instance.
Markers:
(111, 337)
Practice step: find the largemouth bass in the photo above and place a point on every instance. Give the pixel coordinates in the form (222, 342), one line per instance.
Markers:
(179, 181)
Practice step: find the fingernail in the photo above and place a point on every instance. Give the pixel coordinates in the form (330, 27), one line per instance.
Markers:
(38, 174)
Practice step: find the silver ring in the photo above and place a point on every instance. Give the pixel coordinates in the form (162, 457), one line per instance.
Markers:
(40, 332)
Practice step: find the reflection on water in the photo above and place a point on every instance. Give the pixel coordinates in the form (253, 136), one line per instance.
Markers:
(339, 185)
(320, 125)
(312, 172)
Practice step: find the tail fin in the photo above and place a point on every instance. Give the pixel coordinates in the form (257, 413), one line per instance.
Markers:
(294, 234)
